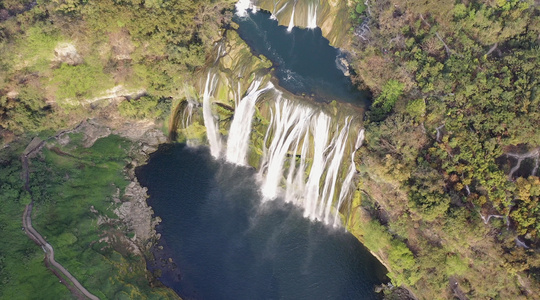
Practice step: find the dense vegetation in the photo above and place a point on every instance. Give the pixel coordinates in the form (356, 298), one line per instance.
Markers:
(73, 189)
(443, 201)
(456, 104)
(55, 54)
(23, 274)
(60, 60)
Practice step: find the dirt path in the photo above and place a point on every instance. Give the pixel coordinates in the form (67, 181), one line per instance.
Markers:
(75, 287)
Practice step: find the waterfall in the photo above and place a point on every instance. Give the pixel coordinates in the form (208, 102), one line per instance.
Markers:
(347, 185)
(307, 156)
(288, 124)
(312, 15)
(295, 186)
(308, 11)
(212, 129)
(328, 194)
(239, 133)
(291, 22)
(295, 127)
(186, 119)
(188, 113)
(308, 150)
(276, 13)
(321, 126)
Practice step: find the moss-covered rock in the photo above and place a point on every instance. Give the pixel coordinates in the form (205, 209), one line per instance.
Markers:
(235, 69)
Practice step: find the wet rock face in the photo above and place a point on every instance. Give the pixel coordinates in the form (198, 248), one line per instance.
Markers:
(67, 53)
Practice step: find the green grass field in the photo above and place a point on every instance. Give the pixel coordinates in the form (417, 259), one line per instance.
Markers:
(23, 274)
(73, 188)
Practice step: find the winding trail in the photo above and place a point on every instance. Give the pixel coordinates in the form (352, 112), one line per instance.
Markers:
(75, 287)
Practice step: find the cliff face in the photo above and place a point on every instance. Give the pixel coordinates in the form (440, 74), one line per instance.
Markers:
(331, 16)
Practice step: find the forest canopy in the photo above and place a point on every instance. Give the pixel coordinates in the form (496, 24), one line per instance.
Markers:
(453, 140)
(57, 53)
(449, 188)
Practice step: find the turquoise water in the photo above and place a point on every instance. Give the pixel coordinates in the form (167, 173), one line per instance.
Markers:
(226, 244)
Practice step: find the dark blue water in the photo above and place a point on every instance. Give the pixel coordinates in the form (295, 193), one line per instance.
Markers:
(304, 61)
(225, 244)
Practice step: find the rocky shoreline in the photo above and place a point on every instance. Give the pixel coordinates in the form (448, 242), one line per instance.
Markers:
(132, 208)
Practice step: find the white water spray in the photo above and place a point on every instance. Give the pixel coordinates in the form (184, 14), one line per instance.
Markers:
(291, 22)
(239, 133)
(304, 150)
(312, 15)
(242, 6)
(332, 174)
(293, 128)
(321, 125)
(307, 156)
(295, 179)
(288, 125)
(186, 116)
(212, 131)
(347, 186)
(275, 13)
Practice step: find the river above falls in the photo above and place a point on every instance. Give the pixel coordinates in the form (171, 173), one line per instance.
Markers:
(225, 244)
(304, 61)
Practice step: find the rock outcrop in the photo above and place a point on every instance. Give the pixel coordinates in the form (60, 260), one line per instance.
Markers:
(137, 215)
(67, 53)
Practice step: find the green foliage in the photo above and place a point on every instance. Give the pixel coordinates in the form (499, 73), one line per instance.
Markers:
(151, 45)
(79, 82)
(194, 132)
(146, 107)
(375, 236)
(460, 10)
(360, 8)
(384, 103)
(527, 213)
(400, 258)
(22, 272)
(455, 265)
(470, 74)
(403, 264)
(357, 12)
(36, 47)
(73, 188)
(416, 108)
(68, 6)
(26, 112)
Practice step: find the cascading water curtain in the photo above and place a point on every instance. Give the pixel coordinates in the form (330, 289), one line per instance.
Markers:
(239, 133)
(308, 156)
(296, 128)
